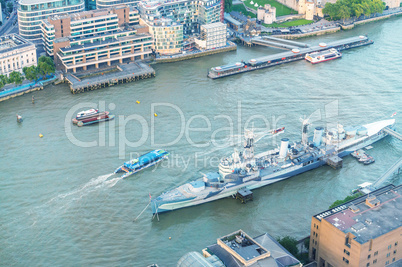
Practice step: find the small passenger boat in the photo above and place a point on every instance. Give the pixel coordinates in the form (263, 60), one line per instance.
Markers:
(322, 56)
(145, 161)
(104, 116)
(86, 113)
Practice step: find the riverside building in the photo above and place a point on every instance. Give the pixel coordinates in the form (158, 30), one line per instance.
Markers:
(31, 13)
(212, 36)
(96, 38)
(109, 3)
(16, 53)
(366, 231)
(179, 19)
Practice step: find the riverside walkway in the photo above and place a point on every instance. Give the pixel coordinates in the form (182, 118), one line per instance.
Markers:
(277, 42)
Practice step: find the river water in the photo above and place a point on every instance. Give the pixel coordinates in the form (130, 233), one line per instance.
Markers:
(60, 205)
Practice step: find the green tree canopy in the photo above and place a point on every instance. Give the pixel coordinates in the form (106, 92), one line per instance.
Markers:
(289, 243)
(228, 5)
(45, 66)
(31, 73)
(15, 77)
(10, 7)
(345, 9)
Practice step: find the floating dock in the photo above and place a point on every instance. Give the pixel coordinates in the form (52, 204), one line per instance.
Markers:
(125, 73)
(285, 57)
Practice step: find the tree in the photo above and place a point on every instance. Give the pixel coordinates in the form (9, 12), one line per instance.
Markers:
(45, 66)
(289, 243)
(3, 79)
(31, 73)
(330, 10)
(344, 13)
(228, 5)
(347, 199)
(10, 7)
(15, 77)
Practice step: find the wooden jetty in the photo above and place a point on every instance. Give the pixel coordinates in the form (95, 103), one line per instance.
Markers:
(125, 73)
(285, 57)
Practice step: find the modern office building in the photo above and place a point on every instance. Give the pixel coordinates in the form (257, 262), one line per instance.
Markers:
(16, 53)
(96, 38)
(31, 13)
(87, 24)
(173, 16)
(239, 249)
(191, 14)
(167, 34)
(110, 3)
(90, 4)
(212, 36)
(366, 231)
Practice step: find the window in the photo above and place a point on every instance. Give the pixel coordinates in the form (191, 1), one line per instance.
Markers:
(389, 247)
(396, 243)
(369, 256)
(387, 262)
(376, 253)
(388, 254)
(375, 261)
(395, 251)
(368, 264)
(345, 260)
(393, 259)
(346, 252)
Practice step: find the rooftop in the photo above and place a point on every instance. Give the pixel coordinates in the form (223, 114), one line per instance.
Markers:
(213, 25)
(238, 249)
(12, 42)
(34, 2)
(89, 14)
(368, 216)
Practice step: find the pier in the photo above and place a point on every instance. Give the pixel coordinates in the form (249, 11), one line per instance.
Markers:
(395, 169)
(277, 42)
(122, 74)
(285, 57)
(393, 133)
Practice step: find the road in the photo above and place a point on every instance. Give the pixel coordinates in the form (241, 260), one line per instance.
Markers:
(8, 26)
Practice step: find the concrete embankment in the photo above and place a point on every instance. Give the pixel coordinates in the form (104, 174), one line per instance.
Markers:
(351, 26)
(25, 88)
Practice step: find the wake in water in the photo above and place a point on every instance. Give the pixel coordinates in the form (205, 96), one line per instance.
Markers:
(58, 205)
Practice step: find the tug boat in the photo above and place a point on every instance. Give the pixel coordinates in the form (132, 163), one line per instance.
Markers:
(145, 161)
(321, 56)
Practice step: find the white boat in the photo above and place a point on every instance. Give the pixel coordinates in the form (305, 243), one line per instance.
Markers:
(86, 113)
(322, 56)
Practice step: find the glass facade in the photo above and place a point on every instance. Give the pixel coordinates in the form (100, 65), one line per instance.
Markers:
(31, 15)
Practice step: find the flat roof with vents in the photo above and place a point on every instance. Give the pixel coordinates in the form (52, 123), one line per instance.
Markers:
(367, 222)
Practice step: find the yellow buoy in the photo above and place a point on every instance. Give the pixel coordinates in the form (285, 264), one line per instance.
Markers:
(138, 102)
(156, 115)
(170, 238)
(40, 135)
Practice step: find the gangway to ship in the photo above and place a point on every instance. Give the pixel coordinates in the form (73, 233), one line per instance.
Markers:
(277, 42)
(393, 133)
(396, 168)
